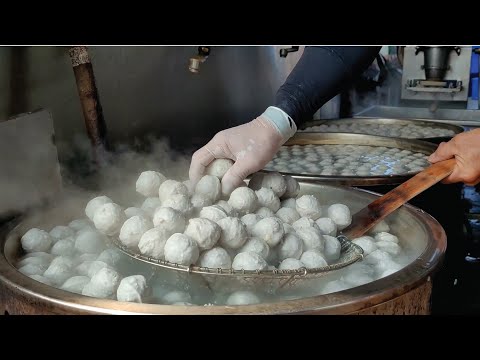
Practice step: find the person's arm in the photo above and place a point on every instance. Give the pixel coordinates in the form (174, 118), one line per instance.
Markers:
(320, 74)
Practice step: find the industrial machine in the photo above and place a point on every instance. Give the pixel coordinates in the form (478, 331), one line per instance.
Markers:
(438, 83)
(437, 73)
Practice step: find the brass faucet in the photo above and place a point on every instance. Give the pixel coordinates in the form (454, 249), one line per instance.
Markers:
(195, 61)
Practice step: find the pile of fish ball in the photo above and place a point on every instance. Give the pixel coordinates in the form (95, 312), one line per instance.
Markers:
(405, 131)
(265, 225)
(346, 160)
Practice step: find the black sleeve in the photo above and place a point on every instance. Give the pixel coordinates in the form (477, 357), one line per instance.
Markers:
(321, 73)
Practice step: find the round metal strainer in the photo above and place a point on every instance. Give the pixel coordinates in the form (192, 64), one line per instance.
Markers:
(349, 254)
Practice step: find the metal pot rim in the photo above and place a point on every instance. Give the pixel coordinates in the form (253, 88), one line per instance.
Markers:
(385, 120)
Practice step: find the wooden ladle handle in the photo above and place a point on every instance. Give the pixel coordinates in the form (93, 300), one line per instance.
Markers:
(371, 215)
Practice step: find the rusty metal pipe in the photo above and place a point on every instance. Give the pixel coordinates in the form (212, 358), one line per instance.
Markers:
(90, 102)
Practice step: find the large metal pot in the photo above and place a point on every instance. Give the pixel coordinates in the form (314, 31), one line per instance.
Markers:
(404, 292)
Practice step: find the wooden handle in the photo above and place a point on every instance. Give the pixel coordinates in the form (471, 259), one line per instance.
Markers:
(371, 215)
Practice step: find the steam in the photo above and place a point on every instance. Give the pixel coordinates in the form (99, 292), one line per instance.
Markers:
(83, 181)
(389, 93)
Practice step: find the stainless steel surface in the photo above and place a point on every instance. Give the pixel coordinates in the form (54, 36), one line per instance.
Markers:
(357, 139)
(455, 128)
(421, 235)
(330, 110)
(459, 117)
(459, 70)
(29, 162)
(436, 61)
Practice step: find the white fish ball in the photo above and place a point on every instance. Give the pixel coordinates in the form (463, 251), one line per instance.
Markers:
(181, 249)
(132, 211)
(313, 259)
(312, 238)
(148, 183)
(150, 204)
(200, 201)
(390, 247)
(75, 284)
(290, 247)
(132, 288)
(90, 268)
(327, 226)
(179, 202)
(109, 218)
(332, 249)
(103, 284)
(61, 232)
(340, 214)
(267, 198)
(288, 215)
(249, 261)
(152, 243)
(385, 236)
(244, 200)
(367, 243)
(64, 247)
(264, 212)
(309, 206)
(269, 230)
(57, 273)
(219, 167)
(209, 186)
(234, 233)
(213, 213)
(133, 229)
(216, 258)
(382, 226)
(90, 242)
(305, 222)
(205, 232)
(289, 203)
(257, 246)
(293, 187)
(79, 224)
(250, 220)
(110, 256)
(291, 264)
(94, 204)
(36, 240)
(172, 220)
(33, 269)
(171, 187)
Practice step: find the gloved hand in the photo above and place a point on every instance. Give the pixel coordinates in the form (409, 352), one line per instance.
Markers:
(465, 148)
(251, 146)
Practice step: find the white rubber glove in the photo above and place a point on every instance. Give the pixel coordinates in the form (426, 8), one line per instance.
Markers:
(251, 146)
